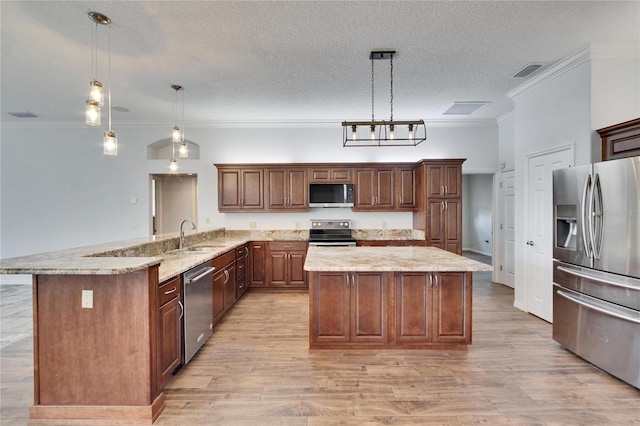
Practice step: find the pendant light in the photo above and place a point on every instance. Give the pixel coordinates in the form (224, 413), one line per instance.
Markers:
(177, 135)
(383, 132)
(95, 101)
(110, 143)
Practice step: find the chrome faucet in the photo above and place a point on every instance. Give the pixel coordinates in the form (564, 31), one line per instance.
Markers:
(193, 226)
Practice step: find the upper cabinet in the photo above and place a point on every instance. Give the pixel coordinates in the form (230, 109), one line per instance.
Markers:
(620, 140)
(329, 174)
(286, 188)
(240, 189)
(387, 188)
(444, 180)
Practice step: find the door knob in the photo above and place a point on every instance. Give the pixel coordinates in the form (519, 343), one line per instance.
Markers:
(530, 243)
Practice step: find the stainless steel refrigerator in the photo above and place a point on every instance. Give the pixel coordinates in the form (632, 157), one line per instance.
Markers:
(596, 267)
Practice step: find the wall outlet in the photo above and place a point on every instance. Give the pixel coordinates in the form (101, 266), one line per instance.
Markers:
(297, 225)
(207, 220)
(252, 225)
(384, 225)
(87, 299)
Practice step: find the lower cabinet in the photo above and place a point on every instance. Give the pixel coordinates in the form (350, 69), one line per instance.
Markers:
(285, 264)
(170, 313)
(349, 307)
(242, 275)
(433, 307)
(224, 284)
(258, 256)
(389, 309)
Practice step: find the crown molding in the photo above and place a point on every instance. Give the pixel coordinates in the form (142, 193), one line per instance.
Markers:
(591, 51)
(505, 116)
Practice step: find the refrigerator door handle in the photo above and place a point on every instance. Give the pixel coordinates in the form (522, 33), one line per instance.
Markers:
(597, 308)
(585, 216)
(586, 275)
(596, 227)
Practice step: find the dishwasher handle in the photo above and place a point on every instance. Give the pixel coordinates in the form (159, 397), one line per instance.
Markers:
(203, 273)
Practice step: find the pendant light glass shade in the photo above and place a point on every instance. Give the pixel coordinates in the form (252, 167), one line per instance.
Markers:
(110, 143)
(95, 93)
(92, 113)
(183, 151)
(176, 135)
(173, 165)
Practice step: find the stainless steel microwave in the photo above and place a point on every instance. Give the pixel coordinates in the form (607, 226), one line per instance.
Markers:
(331, 195)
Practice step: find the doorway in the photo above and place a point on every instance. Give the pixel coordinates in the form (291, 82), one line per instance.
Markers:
(174, 197)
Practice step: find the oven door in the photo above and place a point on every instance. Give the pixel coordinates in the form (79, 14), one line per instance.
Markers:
(332, 243)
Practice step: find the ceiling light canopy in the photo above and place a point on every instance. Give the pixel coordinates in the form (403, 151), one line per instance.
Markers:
(383, 132)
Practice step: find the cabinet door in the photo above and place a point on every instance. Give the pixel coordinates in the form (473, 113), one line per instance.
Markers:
(435, 181)
(452, 226)
(329, 175)
(278, 268)
(384, 189)
(435, 223)
(369, 307)
(452, 307)
(413, 307)
(252, 189)
(452, 180)
(298, 189)
(365, 189)
(296, 272)
(229, 284)
(169, 338)
(257, 264)
(229, 189)
(218, 295)
(406, 189)
(329, 320)
(275, 188)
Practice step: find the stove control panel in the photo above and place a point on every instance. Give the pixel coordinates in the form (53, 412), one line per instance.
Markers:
(331, 224)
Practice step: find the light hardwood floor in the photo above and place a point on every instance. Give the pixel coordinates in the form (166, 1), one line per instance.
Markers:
(257, 370)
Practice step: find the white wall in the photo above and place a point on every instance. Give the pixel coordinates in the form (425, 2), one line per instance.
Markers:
(59, 191)
(477, 214)
(564, 106)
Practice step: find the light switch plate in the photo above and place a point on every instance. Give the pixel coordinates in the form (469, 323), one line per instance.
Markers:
(87, 299)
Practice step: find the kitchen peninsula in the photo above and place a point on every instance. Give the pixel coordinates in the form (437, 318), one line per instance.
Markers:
(389, 297)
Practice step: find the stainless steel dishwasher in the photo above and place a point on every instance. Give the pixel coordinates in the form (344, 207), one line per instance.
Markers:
(198, 308)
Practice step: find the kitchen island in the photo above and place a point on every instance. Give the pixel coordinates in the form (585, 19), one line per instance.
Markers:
(389, 297)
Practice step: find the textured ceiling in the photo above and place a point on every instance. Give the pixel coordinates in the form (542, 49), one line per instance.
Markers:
(302, 61)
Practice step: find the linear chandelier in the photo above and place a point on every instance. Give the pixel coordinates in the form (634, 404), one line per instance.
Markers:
(383, 132)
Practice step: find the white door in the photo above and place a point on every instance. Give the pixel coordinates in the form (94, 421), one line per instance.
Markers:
(506, 262)
(538, 251)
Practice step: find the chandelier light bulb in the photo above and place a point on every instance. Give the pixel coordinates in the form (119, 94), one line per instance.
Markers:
(354, 131)
(173, 165)
(110, 143)
(410, 131)
(184, 150)
(392, 133)
(95, 92)
(92, 113)
(373, 131)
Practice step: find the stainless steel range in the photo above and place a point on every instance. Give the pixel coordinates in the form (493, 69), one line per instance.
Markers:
(331, 232)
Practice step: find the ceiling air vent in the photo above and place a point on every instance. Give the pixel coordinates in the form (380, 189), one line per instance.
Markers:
(465, 107)
(23, 114)
(527, 70)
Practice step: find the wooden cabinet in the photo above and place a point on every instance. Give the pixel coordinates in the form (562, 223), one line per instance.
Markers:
(620, 140)
(439, 199)
(285, 264)
(433, 307)
(286, 188)
(224, 284)
(444, 180)
(385, 189)
(444, 224)
(258, 256)
(330, 175)
(349, 308)
(170, 313)
(243, 260)
(240, 189)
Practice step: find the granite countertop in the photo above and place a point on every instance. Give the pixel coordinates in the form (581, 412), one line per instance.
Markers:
(416, 259)
(132, 255)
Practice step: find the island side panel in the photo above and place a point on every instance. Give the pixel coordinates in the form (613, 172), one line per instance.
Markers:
(100, 356)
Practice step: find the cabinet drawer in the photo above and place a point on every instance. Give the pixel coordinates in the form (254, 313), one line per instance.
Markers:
(223, 260)
(169, 289)
(287, 245)
(242, 251)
